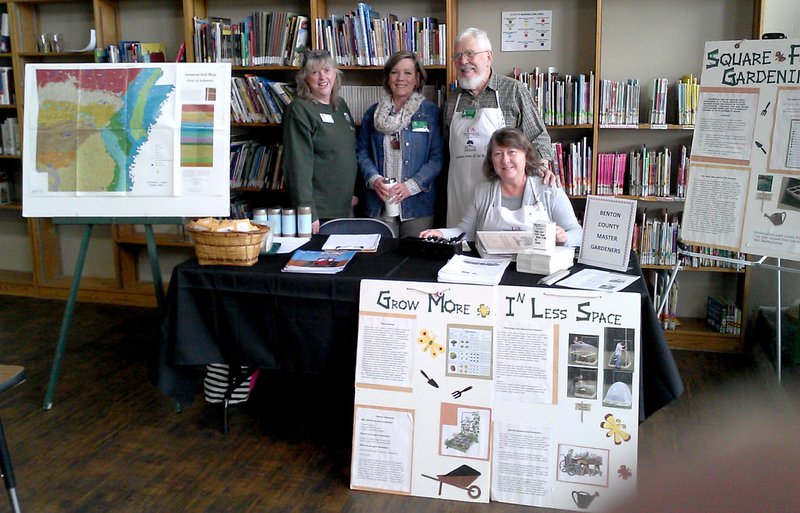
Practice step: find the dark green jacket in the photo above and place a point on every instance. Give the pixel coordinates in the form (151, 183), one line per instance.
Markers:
(319, 157)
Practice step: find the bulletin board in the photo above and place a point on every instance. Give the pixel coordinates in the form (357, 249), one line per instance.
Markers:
(743, 189)
(512, 394)
(126, 140)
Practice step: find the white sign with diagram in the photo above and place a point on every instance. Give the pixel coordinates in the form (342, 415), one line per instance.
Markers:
(526, 31)
(743, 189)
(513, 394)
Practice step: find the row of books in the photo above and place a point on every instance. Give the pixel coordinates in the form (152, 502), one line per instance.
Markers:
(363, 38)
(9, 136)
(688, 91)
(561, 99)
(133, 51)
(643, 173)
(360, 98)
(723, 316)
(256, 99)
(6, 86)
(658, 101)
(619, 103)
(572, 162)
(669, 315)
(256, 165)
(656, 238)
(262, 38)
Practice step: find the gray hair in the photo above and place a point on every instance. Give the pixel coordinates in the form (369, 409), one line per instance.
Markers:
(311, 61)
(478, 35)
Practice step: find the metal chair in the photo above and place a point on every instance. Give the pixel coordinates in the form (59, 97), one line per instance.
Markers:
(10, 376)
(356, 225)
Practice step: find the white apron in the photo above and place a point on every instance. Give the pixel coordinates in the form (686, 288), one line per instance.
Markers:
(469, 138)
(499, 218)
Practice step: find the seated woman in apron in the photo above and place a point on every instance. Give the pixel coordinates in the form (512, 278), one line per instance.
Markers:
(514, 188)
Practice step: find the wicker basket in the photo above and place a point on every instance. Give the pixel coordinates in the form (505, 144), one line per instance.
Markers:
(228, 248)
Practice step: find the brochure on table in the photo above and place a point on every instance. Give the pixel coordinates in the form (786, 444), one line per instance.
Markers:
(518, 394)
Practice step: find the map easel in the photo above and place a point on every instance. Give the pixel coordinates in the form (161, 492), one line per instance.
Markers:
(89, 223)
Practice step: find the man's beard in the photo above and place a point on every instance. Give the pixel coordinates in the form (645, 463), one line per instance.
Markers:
(473, 82)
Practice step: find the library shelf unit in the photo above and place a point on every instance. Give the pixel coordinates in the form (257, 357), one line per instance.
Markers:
(613, 39)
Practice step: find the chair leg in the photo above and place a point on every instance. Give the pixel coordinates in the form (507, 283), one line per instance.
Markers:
(8, 471)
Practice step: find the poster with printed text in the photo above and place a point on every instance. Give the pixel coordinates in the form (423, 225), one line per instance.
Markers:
(743, 187)
(123, 140)
(512, 394)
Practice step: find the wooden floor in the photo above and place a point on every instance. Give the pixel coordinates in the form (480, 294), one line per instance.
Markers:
(112, 442)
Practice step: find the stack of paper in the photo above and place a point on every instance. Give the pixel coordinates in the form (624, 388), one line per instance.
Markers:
(480, 271)
(360, 242)
(502, 244)
(318, 262)
(537, 261)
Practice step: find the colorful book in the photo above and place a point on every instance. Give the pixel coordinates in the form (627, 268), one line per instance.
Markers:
(318, 262)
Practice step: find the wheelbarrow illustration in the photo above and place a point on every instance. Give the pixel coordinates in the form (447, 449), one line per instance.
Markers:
(461, 477)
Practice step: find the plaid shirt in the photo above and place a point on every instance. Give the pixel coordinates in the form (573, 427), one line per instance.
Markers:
(516, 103)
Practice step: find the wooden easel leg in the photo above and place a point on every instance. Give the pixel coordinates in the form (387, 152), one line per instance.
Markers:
(67, 319)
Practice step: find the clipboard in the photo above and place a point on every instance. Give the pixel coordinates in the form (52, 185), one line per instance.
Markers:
(365, 243)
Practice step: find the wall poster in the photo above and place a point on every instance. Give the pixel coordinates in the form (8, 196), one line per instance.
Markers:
(743, 188)
(513, 394)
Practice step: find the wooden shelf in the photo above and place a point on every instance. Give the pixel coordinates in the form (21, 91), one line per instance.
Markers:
(254, 125)
(709, 269)
(569, 127)
(11, 157)
(647, 126)
(17, 283)
(654, 199)
(9, 106)
(162, 239)
(101, 290)
(57, 55)
(14, 205)
(693, 334)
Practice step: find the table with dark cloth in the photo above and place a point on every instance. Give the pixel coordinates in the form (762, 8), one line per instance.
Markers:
(261, 317)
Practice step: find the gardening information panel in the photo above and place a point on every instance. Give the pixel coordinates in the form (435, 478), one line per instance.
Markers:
(515, 394)
(744, 182)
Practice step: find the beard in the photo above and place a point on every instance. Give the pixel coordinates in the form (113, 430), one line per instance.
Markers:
(474, 82)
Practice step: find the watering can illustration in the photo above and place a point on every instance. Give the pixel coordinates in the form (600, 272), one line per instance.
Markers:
(583, 499)
(777, 218)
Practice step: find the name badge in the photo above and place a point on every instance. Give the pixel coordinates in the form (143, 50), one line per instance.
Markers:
(468, 113)
(419, 126)
(326, 118)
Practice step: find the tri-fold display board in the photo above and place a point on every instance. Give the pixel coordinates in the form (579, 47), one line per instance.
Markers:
(744, 182)
(144, 140)
(514, 394)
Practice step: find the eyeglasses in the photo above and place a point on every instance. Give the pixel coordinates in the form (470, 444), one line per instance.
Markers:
(469, 54)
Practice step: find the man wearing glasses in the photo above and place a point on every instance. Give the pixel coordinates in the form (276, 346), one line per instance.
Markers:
(482, 103)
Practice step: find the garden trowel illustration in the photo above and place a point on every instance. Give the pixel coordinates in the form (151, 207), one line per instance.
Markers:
(431, 382)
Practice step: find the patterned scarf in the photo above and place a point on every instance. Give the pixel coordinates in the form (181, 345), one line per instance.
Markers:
(389, 122)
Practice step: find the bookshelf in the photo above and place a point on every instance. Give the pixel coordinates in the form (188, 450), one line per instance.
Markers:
(613, 39)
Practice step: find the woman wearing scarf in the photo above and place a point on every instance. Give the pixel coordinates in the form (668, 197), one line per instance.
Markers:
(400, 149)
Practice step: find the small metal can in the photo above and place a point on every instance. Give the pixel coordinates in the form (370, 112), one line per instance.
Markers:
(304, 221)
(260, 216)
(274, 220)
(288, 222)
